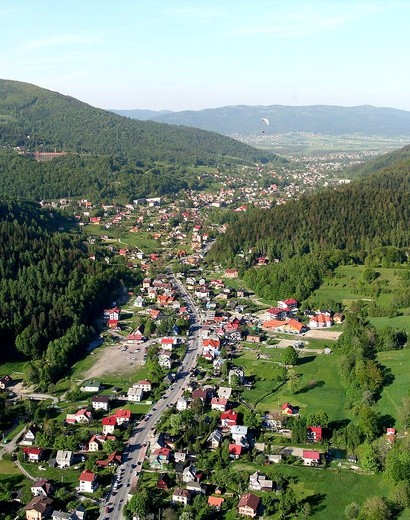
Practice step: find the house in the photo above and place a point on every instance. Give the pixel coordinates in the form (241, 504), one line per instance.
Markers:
(310, 458)
(225, 392)
(164, 359)
(39, 508)
(320, 321)
(239, 433)
(194, 487)
(236, 373)
(182, 404)
(291, 303)
(276, 459)
(122, 416)
(96, 442)
(219, 403)
(235, 450)
(288, 409)
(112, 314)
(78, 514)
(144, 384)
(231, 273)
(228, 419)
(109, 424)
(114, 459)
(215, 439)
(42, 487)
(30, 436)
(134, 394)
(82, 416)
(5, 382)
(248, 505)
(259, 482)
(216, 502)
(200, 393)
(315, 433)
(159, 457)
(33, 454)
(189, 473)
(64, 458)
(100, 402)
(88, 482)
(91, 386)
(180, 456)
(163, 482)
(273, 421)
(180, 496)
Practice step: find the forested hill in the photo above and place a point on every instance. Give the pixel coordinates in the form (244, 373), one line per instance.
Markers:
(43, 120)
(50, 291)
(380, 163)
(365, 214)
(320, 119)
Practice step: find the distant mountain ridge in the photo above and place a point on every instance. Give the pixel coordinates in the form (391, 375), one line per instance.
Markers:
(41, 119)
(320, 119)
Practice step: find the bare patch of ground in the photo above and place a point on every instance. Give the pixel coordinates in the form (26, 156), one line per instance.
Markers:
(323, 334)
(114, 360)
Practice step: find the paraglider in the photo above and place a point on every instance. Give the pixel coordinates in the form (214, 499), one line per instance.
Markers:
(266, 121)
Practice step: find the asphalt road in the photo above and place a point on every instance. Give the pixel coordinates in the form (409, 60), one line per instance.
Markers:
(134, 453)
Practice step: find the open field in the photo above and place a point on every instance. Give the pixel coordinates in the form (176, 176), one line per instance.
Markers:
(398, 361)
(320, 386)
(346, 287)
(328, 491)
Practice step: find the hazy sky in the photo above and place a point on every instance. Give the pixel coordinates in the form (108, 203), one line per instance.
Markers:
(193, 54)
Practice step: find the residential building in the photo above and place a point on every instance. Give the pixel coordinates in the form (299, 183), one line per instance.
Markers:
(39, 508)
(100, 402)
(33, 454)
(311, 458)
(259, 482)
(88, 482)
(64, 458)
(42, 487)
(248, 505)
(180, 496)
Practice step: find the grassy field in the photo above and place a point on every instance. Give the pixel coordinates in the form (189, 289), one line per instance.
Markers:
(328, 491)
(13, 369)
(344, 287)
(320, 387)
(398, 362)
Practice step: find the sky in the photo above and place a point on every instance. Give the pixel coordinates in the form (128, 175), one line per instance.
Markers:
(196, 54)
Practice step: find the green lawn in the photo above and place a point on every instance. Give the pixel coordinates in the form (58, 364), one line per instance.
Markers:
(328, 491)
(398, 361)
(13, 369)
(320, 387)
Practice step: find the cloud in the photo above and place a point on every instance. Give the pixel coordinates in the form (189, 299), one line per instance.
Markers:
(63, 39)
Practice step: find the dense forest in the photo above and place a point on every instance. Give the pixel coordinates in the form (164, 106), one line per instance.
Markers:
(100, 178)
(313, 235)
(382, 162)
(51, 290)
(43, 120)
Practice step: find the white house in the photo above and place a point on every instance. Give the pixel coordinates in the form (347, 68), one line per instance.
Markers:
(64, 458)
(134, 395)
(259, 482)
(100, 402)
(182, 404)
(88, 482)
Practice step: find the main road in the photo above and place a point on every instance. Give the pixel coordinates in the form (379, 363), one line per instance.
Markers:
(134, 453)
